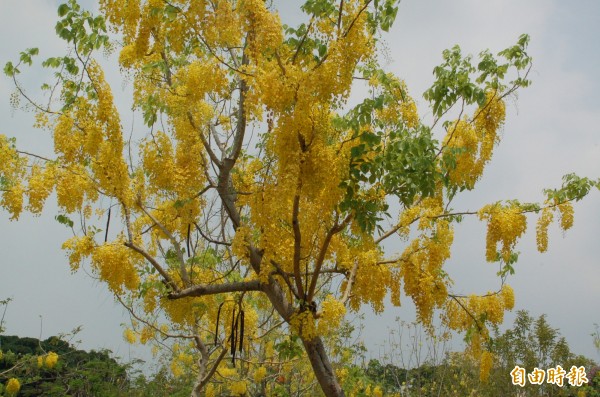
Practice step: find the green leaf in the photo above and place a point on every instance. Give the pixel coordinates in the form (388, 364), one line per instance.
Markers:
(63, 9)
(9, 69)
(65, 220)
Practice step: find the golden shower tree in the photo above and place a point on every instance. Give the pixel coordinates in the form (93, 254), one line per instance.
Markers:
(254, 200)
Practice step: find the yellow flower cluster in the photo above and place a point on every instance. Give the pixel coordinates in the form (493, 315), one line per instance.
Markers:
(238, 388)
(408, 110)
(485, 365)
(222, 27)
(109, 167)
(473, 313)
(508, 297)
(462, 138)
(80, 247)
(73, 186)
(227, 372)
(565, 211)
(176, 368)
(401, 103)
(123, 14)
(491, 307)
(41, 183)
(303, 324)
(185, 359)
(488, 119)
(89, 142)
(542, 229)
(12, 170)
(210, 390)
(116, 266)
(372, 281)
(263, 27)
(151, 295)
(333, 79)
(180, 311)
(13, 386)
(12, 200)
(332, 314)
(51, 360)
(566, 215)
(157, 155)
(130, 336)
(505, 224)
(259, 374)
(377, 392)
(474, 141)
(420, 266)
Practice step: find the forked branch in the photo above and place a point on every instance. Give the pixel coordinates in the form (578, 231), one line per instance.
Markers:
(214, 289)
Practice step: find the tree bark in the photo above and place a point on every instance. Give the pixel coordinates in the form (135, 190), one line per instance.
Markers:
(314, 347)
(322, 367)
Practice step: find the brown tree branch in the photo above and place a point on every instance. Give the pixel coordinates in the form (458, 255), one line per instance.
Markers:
(351, 279)
(214, 289)
(297, 240)
(338, 227)
(184, 273)
(154, 264)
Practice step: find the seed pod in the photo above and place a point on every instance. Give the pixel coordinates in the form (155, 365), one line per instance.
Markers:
(107, 224)
(241, 329)
(217, 323)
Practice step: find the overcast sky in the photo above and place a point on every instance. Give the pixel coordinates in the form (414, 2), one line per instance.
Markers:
(552, 129)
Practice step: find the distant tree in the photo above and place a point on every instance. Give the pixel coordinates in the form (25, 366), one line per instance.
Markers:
(53, 368)
(254, 193)
(530, 343)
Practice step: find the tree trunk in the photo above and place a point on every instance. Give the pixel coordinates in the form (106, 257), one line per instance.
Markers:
(322, 367)
(314, 348)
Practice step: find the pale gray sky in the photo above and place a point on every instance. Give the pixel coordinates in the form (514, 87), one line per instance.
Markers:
(553, 129)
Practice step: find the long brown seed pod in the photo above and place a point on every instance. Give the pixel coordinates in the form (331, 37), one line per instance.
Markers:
(241, 329)
(217, 323)
(107, 224)
(233, 337)
(188, 240)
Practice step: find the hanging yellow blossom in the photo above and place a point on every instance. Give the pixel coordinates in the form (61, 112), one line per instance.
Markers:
(505, 225)
(542, 229)
(130, 336)
(260, 374)
(210, 390)
(485, 365)
(377, 392)
(79, 248)
(146, 334)
(508, 297)
(238, 388)
(176, 368)
(303, 324)
(471, 142)
(332, 313)
(41, 182)
(12, 200)
(116, 265)
(566, 215)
